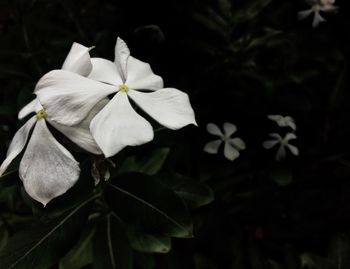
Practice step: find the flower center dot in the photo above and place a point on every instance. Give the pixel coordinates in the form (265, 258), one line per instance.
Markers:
(123, 88)
(41, 114)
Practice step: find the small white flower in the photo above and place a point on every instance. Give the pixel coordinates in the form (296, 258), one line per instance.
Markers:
(318, 6)
(232, 146)
(283, 143)
(283, 121)
(68, 98)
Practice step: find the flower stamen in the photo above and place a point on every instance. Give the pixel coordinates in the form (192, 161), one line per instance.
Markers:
(41, 114)
(123, 88)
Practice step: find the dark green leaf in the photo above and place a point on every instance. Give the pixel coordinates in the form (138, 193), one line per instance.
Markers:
(148, 206)
(41, 245)
(149, 242)
(111, 248)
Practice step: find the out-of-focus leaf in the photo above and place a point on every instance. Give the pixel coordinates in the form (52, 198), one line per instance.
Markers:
(147, 206)
(195, 193)
(149, 243)
(81, 254)
(144, 260)
(282, 177)
(203, 262)
(4, 235)
(149, 164)
(41, 245)
(111, 248)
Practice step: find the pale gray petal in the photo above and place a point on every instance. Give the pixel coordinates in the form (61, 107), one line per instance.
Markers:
(214, 129)
(47, 169)
(229, 129)
(212, 147)
(237, 143)
(230, 152)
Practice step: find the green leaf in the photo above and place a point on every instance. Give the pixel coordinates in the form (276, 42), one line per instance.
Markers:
(43, 244)
(149, 243)
(149, 207)
(150, 164)
(81, 254)
(194, 192)
(111, 248)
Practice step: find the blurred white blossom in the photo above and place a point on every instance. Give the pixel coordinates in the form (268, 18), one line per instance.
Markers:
(232, 146)
(69, 97)
(282, 121)
(318, 6)
(283, 144)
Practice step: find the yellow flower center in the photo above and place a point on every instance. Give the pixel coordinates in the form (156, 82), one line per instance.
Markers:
(41, 114)
(123, 88)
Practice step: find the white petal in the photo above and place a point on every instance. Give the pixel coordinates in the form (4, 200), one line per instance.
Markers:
(105, 71)
(229, 129)
(317, 19)
(170, 107)
(230, 152)
(276, 136)
(270, 143)
(214, 129)
(47, 169)
(141, 77)
(17, 144)
(237, 143)
(275, 118)
(281, 153)
(290, 122)
(212, 147)
(121, 54)
(289, 136)
(118, 125)
(67, 97)
(27, 109)
(293, 149)
(78, 60)
(304, 14)
(80, 134)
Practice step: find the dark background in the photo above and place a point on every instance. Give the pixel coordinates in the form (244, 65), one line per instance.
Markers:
(238, 64)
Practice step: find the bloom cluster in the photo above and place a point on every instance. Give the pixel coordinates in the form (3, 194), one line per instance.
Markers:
(232, 146)
(318, 6)
(88, 101)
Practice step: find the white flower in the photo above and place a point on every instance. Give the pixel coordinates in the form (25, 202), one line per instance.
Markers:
(283, 143)
(68, 98)
(283, 121)
(318, 6)
(47, 169)
(232, 146)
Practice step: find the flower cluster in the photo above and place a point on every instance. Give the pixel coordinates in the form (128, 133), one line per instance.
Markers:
(88, 101)
(283, 142)
(318, 6)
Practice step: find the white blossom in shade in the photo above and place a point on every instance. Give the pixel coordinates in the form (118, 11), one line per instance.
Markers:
(77, 61)
(281, 121)
(318, 6)
(232, 146)
(47, 169)
(282, 143)
(68, 98)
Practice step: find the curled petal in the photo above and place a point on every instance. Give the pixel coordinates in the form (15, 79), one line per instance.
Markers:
(170, 107)
(121, 54)
(230, 152)
(214, 129)
(276, 136)
(229, 129)
(80, 134)
(67, 97)
(317, 19)
(237, 143)
(47, 169)
(213, 146)
(27, 109)
(117, 125)
(17, 144)
(105, 71)
(78, 60)
(141, 77)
